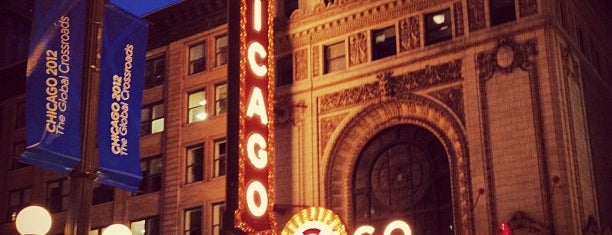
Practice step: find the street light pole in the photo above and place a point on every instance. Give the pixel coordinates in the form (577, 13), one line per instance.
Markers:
(81, 179)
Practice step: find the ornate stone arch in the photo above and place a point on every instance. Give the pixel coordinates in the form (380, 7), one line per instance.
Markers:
(405, 109)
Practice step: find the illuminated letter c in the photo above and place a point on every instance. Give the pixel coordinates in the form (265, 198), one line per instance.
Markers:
(257, 48)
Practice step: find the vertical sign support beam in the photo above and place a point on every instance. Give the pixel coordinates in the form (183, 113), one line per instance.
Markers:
(81, 181)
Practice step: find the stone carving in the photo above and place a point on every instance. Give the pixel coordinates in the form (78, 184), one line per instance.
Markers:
(327, 127)
(453, 98)
(301, 64)
(316, 62)
(528, 7)
(506, 56)
(520, 220)
(410, 35)
(288, 112)
(459, 28)
(358, 49)
(476, 15)
(390, 86)
(569, 63)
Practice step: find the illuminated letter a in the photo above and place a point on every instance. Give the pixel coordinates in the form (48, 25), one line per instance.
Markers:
(257, 106)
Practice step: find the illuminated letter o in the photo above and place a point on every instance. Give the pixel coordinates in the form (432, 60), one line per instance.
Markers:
(365, 229)
(253, 188)
(398, 224)
(260, 159)
(257, 48)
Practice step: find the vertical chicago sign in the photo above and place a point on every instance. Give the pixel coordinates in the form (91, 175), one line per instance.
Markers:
(256, 134)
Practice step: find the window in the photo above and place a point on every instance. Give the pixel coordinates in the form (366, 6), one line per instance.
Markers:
(96, 231)
(290, 6)
(220, 98)
(502, 11)
(193, 221)
(217, 215)
(219, 164)
(437, 27)
(151, 175)
(284, 70)
(102, 194)
(221, 50)
(17, 200)
(197, 58)
(18, 149)
(194, 163)
(334, 57)
(383, 43)
(146, 226)
(152, 119)
(197, 106)
(20, 117)
(155, 71)
(57, 195)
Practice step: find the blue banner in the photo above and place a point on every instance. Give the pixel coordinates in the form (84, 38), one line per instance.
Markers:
(121, 82)
(53, 85)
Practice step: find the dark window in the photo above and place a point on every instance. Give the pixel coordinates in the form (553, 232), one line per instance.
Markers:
(383, 43)
(219, 162)
(155, 71)
(197, 58)
(194, 163)
(197, 106)
(193, 221)
(20, 115)
(102, 194)
(17, 200)
(220, 98)
(335, 55)
(403, 173)
(221, 50)
(152, 119)
(146, 226)
(57, 195)
(217, 215)
(18, 149)
(151, 175)
(290, 6)
(284, 70)
(438, 27)
(502, 11)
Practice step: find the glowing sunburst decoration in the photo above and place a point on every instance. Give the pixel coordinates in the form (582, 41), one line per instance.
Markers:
(314, 221)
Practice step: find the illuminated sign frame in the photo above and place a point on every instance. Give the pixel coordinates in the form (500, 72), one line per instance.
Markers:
(254, 214)
(314, 220)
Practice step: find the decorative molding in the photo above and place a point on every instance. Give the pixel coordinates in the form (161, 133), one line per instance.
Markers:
(453, 98)
(476, 15)
(389, 86)
(327, 126)
(520, 220)
(569, 63)
(528, 7)
(506, 56)
(459, 28)
(316, 61)
(301, 64)
(287, 112)
(410, 33)
(358, 49)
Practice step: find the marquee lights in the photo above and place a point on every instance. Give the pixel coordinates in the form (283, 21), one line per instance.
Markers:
(256, 134)
(389, 229)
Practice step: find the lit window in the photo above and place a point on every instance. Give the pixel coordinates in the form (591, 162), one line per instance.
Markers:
(103, 193)
(151, 175)
(17, 200)
(147, 226)
(335, 55)
(502, 11)
(219, 164)
(57, 195)
(220, 98)
(221, 50)
(197, 58)
(284, 70)
(383, 43)
(217, 215)
(194, 163)
(155, 71)
(437, 27)
(197, 106)
(193, 221)
(152, 119)
(96, 231)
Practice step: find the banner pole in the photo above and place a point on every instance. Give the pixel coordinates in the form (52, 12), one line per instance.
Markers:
(81, 179)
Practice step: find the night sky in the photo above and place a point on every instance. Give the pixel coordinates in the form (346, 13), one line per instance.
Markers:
(141, 7)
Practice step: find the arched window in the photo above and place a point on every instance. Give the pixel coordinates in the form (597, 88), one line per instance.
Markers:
(403, 173)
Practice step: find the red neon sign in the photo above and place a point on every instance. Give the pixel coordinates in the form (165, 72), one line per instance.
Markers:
(256, 134)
